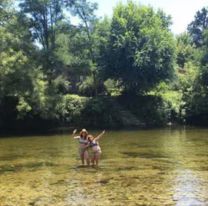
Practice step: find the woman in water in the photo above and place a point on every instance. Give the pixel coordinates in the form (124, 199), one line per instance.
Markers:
(83, 145)
(96, 150)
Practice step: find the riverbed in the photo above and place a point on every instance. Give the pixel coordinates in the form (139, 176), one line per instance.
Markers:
(137, 167)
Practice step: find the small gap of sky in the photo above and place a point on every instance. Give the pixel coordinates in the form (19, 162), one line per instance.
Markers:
(181, 11)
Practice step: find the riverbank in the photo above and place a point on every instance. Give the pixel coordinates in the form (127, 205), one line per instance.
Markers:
(68, 130)
(98, 112)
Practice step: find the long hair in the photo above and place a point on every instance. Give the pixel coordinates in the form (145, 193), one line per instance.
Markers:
(83, 131)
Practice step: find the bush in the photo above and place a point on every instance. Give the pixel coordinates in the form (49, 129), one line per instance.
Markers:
(70, 109)
(97, 112)
(101, 112)
(151, 110)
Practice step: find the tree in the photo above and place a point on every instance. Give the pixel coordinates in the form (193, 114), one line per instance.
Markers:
(85, 11)
(198, 26)
(197, 98)
(18, 73)
(166, 19)
(184, 49)
(141, 48)
(45, 16)
(4, 14)
(24, 89)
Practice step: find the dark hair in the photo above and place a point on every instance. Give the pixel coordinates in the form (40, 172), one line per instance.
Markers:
(83, 131)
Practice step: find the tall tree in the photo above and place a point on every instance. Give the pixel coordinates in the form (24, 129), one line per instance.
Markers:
(44, 16)
(141, 48)
(198, 26)
(197, 101)
(85, 11)
(18, 73)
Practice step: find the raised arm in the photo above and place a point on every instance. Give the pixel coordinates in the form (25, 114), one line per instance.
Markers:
(100, 135)
(73, 134)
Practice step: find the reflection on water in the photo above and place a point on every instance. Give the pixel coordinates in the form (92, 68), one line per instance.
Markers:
(188, 186)
(155, 167)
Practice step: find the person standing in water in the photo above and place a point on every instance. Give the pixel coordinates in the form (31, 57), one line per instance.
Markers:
(96, 150)
(83, 145)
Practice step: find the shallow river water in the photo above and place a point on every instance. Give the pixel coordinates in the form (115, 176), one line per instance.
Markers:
(144, 167)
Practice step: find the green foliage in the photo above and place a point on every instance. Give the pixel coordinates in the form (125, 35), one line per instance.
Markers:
(16, 69)
(21, 79)
(141, 48)
(151, 110)
(188, 77)
(192, 84)
(70, 108)
(4, 11)
(166, 19)
(198, 26)
(44, 16)
(90, 112)
(91, 86)
(101, 112)
(110, 72)
(197, 107)
(184, 49)
(113, 87)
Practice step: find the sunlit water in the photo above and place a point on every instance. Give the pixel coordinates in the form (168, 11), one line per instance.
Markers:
(149, 167)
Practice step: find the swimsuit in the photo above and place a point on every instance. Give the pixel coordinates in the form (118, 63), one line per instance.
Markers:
(95, 147)
(92, 144)
(82, 142)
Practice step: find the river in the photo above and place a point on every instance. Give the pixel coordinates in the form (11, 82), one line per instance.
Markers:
(138, 167)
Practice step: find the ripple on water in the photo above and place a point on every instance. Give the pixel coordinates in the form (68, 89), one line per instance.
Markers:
(167, 168)
(187, 189)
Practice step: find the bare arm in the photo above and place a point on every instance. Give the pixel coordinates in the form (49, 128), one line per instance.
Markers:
(99, 136)
(73, 134)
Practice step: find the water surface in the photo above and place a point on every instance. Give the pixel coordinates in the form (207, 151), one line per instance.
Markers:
(146, 167)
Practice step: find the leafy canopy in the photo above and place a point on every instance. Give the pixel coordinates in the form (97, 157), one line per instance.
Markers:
(141, 48)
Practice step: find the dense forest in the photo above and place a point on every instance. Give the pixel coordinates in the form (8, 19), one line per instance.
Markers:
(121, 71)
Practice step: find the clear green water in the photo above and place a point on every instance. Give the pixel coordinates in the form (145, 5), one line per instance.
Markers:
(151, 167)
